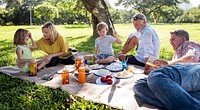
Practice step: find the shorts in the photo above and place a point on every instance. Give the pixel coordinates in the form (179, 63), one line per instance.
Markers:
(102, 56)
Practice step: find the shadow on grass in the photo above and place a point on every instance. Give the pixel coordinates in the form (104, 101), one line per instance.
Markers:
(89, 44)
(84, 45)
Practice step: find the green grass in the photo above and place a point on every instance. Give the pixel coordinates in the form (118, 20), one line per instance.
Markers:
(18, 94)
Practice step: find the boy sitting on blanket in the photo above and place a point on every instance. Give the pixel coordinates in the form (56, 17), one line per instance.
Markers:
(103, 45)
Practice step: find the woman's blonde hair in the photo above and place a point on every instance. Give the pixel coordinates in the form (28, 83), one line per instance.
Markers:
(53, 32)
(19, 37)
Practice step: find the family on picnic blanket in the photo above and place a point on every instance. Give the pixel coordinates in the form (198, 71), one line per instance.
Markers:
(172, 85)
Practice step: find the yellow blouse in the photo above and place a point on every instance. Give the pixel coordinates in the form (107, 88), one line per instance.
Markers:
(58, 46)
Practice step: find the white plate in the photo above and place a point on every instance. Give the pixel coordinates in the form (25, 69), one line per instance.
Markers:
(69, 69)
(138, 71)
(96, 67)
(98, 81)
(102, 72)
(87, 73)
(123, 74)
(116, 66)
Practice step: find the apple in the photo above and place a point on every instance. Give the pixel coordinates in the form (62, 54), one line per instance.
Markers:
(103, 79)
(109, 81)
(108, 76)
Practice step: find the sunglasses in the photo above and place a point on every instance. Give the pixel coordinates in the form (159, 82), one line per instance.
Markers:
(136, 18)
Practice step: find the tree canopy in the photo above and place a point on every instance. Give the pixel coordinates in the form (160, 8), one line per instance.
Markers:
(18, 12)
(149, 6)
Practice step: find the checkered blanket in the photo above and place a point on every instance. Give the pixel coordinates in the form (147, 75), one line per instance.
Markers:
(120, 94)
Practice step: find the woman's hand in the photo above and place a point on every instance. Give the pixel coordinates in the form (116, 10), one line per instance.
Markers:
(48, 58)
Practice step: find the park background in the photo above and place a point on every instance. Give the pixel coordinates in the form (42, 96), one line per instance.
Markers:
(74, 23)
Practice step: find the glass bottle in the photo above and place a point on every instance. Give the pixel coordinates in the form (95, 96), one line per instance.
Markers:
(81, 75)
(33, 69)
(65, 76)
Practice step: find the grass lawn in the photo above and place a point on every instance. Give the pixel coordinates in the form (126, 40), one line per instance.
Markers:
(18, 94)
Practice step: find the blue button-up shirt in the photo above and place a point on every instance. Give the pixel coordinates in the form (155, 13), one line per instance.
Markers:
(149, 44)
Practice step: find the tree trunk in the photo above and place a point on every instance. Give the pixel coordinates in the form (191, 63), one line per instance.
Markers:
(99, 11)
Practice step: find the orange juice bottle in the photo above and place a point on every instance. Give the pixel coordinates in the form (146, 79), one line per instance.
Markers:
(33, 69)
(81, 75)
(65, 76)
(78, 63)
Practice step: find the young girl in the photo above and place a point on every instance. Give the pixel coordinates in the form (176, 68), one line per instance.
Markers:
(24, 55)
(103, 44)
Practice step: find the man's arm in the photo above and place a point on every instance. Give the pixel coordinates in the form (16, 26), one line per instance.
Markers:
(185, 59)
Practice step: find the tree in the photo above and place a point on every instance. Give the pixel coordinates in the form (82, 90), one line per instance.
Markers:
(167, 14)
(3, 16)
(191, 16)
(99, 11)
(46, 11)
(149, 6)
(70, 12)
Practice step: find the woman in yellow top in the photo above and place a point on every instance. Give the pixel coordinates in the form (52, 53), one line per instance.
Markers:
(54, 45)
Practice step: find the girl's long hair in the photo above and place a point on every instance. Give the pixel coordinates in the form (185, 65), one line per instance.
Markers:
(19, 37)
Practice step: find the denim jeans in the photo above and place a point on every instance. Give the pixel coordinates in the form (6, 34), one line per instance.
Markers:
(103, 56)
(174, 87)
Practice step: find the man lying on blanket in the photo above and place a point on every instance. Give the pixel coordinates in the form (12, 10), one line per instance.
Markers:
(174, 87)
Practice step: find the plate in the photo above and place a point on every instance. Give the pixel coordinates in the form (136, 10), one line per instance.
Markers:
(137, 70)
(116, 66)
(96, 67)
(102, 72)
(98, 81)
(123, 74)
(69, 69)
(87, 73)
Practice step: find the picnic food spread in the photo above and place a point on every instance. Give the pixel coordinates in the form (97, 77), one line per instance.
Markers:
(106, 74)
(102, 72)
(116, 66)
(96, 66)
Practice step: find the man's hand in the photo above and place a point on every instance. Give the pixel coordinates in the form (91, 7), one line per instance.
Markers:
(160, 63)
(122, 57)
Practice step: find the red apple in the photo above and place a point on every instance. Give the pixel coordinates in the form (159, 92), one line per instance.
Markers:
(109, 81)
(103, 79)
(108, 76)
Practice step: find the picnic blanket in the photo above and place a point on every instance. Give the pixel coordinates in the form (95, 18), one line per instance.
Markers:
(119, 95)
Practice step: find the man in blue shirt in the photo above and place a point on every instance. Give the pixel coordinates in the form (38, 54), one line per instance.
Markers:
(148, 43)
